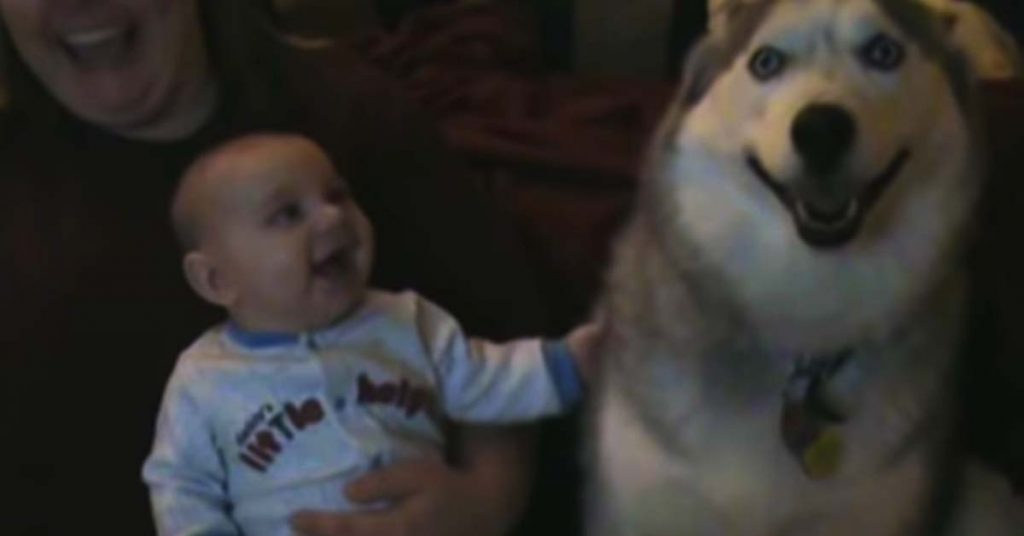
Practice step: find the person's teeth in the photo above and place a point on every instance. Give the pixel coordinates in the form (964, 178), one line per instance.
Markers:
(92, 37)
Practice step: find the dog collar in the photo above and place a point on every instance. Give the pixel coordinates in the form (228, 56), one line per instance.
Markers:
(811, 422)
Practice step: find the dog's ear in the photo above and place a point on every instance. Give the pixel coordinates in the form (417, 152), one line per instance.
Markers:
(718, 11)
(731, 24)
(703, 65)
(991, 51)
(722, 12)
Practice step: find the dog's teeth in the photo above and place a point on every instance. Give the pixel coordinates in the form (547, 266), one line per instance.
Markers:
(851, 210)
(802, 213)
(807, 215)
(93, 37)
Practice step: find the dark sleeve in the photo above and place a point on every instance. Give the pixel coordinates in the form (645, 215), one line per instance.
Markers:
(437, 231)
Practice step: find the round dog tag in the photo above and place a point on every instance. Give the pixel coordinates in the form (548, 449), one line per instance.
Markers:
(824, 456)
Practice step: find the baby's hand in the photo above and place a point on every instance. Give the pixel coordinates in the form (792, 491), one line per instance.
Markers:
(583, 344)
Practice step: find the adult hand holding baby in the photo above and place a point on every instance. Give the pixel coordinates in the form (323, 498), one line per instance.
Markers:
(432, 499)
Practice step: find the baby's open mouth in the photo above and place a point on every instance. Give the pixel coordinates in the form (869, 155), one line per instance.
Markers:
(829, 227)
(337, 264)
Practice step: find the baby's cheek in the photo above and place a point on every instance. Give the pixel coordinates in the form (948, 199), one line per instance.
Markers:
(284, 273)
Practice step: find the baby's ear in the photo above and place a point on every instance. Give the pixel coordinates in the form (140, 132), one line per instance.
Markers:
(208, 280)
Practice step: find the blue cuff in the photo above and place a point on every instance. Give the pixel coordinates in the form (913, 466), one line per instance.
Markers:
(564, 374)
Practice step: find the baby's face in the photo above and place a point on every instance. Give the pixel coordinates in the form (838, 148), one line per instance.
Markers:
(292, 241)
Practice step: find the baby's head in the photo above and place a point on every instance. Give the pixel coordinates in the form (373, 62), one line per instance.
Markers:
(272, 234)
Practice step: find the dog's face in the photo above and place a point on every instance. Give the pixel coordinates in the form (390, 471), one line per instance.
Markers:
(823, 164)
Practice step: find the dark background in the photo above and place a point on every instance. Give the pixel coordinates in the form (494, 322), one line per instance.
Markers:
(556, 18)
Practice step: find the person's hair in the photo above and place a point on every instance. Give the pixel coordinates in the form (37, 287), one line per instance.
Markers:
(240, 39)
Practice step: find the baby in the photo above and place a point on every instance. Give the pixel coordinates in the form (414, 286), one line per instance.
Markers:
(315, 379)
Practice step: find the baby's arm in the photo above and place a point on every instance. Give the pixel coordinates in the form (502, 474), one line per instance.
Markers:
(485, 382)
(583, 342)
(185, 473)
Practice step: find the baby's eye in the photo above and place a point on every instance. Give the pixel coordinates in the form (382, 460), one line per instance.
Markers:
(285, 216)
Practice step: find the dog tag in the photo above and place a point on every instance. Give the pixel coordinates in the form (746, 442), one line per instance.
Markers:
(823, 457)
(816, 445)
(810, 427)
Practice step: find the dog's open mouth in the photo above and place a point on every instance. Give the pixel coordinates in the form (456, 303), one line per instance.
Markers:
(833, 226)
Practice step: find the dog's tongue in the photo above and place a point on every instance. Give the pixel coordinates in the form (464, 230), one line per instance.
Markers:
(828, 216)
(826, 229)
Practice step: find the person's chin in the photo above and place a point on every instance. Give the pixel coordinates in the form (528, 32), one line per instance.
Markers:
(126, 107)
(349, 303)
(336, 307)
(121, 98)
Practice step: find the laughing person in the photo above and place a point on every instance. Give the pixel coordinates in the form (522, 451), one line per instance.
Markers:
(315, 379)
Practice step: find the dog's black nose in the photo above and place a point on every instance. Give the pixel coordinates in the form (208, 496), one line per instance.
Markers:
(823, 134)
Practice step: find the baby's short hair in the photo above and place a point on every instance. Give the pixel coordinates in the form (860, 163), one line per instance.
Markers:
(185, 217)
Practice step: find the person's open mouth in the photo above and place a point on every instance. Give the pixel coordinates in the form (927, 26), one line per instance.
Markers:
(101, 46)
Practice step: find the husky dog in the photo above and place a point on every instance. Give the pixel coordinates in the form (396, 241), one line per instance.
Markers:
(784, 309)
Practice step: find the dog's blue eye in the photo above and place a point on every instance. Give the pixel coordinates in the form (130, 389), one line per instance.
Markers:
(767, 63)
(883, 53)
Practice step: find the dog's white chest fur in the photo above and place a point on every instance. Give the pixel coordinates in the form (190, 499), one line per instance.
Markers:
(687, 430)
(717, 484)
(719, 465)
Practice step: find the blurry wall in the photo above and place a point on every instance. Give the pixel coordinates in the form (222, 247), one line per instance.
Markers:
(623, 38)
(639, 38)
(319, 18)
(636, 38)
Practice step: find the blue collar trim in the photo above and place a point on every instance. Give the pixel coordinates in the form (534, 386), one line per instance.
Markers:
(260, 340)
